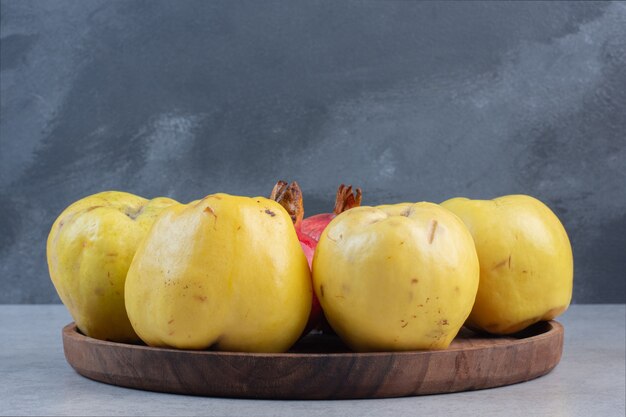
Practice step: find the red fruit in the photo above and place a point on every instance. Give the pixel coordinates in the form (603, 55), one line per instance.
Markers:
(310, 229)
(314, 226)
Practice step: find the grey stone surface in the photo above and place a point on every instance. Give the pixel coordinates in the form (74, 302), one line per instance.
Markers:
(589, 380)
(409, 100)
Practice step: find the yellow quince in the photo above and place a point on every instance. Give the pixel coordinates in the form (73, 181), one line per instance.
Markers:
(526, 263)
(225, 272)
(89, 250)
(396, 277)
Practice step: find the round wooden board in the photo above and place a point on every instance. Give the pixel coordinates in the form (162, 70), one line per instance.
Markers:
(321, 367)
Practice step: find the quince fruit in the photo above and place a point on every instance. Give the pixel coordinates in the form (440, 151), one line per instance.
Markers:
(225, 272)
(89, 250)
(526, 263)
(396, 277)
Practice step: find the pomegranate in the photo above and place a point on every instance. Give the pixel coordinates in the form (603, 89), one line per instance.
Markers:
(310, 229)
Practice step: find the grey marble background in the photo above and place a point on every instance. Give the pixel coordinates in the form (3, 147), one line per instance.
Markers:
(410, 101)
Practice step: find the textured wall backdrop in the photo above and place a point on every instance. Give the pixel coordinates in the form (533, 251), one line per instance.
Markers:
(411, 101)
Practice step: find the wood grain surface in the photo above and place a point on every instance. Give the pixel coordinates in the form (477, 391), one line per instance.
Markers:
(321, 367)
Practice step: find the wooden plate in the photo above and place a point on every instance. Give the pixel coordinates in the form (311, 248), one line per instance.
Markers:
(320, 367)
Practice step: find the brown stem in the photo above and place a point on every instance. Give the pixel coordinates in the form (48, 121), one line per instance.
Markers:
(290, 197)
(346, 199)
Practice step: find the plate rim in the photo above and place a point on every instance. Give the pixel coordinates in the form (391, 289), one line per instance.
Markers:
(71, 330)
(364, 375)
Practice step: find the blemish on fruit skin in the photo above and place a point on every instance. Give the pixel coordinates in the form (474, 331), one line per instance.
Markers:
(201, 298)
(503, 262)
(414, 281)
(431, 233)
(112, 254)
(132, 213)
(270, 212)
(457, 289)
(322, 290)
(414, 316)
(403, 323)
(443, 322)
(209, 210)
(99, 291)
(171, 333)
